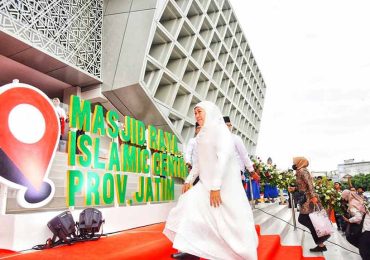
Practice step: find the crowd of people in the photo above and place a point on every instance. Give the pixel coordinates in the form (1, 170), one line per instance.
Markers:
(353, 209)
(218, 162)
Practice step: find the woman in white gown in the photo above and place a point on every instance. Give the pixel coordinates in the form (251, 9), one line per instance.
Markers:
(213, 220)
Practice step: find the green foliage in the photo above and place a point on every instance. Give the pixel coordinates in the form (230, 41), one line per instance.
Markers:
(345, 186)
(361, 180)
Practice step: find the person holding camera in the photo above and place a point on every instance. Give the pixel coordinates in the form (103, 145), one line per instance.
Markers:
(358, 214)
(307, 199)
(338, 217)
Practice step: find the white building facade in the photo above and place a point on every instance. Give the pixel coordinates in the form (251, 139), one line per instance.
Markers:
(153, 59)
(353, 168)
(149, 59)
(174, 54)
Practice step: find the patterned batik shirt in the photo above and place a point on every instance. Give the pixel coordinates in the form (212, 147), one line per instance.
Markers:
(305, 184)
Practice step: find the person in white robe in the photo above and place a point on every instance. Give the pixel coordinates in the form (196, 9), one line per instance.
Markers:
(252, 186)
(61, 114)
(190, 155)
(241, 152)
(213, 220)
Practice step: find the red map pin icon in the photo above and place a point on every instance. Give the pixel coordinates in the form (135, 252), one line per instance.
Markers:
(29, 135)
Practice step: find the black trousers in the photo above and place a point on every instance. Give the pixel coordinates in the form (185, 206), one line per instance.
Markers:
(305, 220)
(364, 245)
(290, 202)
(340, 221)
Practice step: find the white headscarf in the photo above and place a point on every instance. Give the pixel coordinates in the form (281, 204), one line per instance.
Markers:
(213, 117)
(215, 145)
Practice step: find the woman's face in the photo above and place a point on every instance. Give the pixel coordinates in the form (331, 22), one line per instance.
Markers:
(56, 102)
(200, 115)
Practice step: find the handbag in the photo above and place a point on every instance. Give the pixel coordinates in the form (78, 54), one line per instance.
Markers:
(321, 222)
(354, 231)
(300, 197)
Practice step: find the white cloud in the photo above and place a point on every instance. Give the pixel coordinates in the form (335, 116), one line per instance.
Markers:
(315, 59)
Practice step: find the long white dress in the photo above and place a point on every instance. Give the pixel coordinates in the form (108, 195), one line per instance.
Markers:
(194, 226)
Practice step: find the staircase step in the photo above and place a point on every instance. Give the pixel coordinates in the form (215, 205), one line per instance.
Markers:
(154, 245)
(277, 223)
(268, 244)
(289, 237)
(288, 252)
(6, 253)
(261, 217)
(337, 253)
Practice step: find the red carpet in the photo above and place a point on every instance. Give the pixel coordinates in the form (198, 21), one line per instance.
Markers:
(150, 244)
(5, 252)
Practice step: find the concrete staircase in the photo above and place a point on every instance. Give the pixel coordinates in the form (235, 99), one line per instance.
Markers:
(266, 215)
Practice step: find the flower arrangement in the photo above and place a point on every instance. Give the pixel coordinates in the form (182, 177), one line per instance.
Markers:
(274, 176)
(324, 188)
(286, 179)
(260, 168)
(329, 197)
(270, 174)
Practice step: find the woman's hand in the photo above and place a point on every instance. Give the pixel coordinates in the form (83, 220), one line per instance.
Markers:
(185, 187)
(255, 176)
(314, 200)
(345, 219)
(215, 198)
(189, 166)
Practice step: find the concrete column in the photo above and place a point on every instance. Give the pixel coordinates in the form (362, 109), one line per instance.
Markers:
(70, 91)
